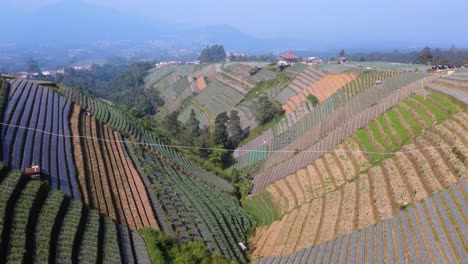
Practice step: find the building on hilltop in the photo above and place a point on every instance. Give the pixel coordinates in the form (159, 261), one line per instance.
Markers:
(289, 57)
(342, 60)
(314, 60)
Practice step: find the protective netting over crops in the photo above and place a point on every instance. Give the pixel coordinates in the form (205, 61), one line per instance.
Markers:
(330, 124)
(321, 120)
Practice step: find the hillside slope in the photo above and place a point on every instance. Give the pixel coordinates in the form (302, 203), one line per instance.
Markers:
(40, 225)
(86, 151)
(351, 188)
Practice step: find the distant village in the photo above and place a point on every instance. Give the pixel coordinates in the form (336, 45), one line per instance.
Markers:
(285, 59)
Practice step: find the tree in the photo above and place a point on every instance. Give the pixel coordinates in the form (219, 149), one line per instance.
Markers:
(466, 59)
(267, 110)
(362, 59)
(221, 133)
(191, 131)
(234, 175)
(425, 56)
(172, 124)
(234, 128)
(213, 53)
(193, 125)
(313, 99)
(342, 53)
(220, 157)
(437, 56)
(33, 65)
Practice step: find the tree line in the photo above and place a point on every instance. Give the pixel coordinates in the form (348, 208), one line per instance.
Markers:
(121, 84)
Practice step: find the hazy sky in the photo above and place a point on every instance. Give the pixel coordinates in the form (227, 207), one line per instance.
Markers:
(419, 21)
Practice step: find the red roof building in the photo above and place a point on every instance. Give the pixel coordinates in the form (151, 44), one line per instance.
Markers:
(289, 57)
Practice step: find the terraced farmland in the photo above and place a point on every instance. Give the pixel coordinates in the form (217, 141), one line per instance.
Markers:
(431, 231)
(127, 125)
(456, 85)
(112, 183)
(298, 124)
(331, 131)
(41, 226)
(321, 89)
(36, 116)
(217, 98)
(264, 75)
(194, 210)
(302, 81)
(201, 116)
(352, 190)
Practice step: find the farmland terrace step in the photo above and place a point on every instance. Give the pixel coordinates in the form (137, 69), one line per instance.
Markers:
(431, 230)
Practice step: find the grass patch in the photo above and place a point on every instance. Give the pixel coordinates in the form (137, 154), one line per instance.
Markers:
(368, 146)
(409, 120)
(446, 103)
(423, 115)
(439, 113)
(386, 130)
(262, 86)
(164, 249)
(261, 208)
(378, 137)
(400, 130)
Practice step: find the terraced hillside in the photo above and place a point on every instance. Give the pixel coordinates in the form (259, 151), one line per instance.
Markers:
(194, 210)
(45, 115)
(342, 122)
(455, 85)
(127, 125)
(198, 209)
(346, 189)
(39, 225)
(430, 231)
(301, 122)
(110, 182)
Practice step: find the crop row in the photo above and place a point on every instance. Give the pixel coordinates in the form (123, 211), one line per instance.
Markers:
(41, 226)
(218, 97)
(111, 181)
(431, 231)
(348, 201)
(195, 210)
(337, 102)
(38, 133)
(328, 133)
(184, 116)
(264, 75)
(127, 125)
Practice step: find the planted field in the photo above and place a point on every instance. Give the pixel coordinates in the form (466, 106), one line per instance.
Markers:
(431, 231)
(264, 75)
(201, 116)
(321, 88)
(335, 112)
(299, 85)
(218, 97)
(112, 183)
(194, 210)
(361, 195)
(322, 136)
(127, 125)
(37, 119)
(40, 226)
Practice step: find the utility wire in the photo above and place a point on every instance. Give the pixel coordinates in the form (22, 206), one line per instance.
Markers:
(230, 150)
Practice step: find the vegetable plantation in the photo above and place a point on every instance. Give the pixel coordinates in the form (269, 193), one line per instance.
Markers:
(193, 210)
(426, 232)
(37, 132)
(40, 226)
(127, 125)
